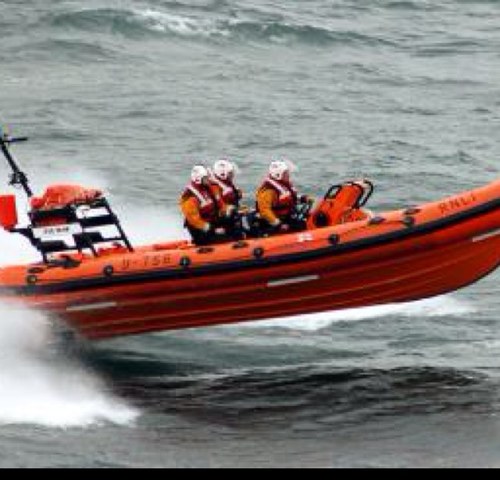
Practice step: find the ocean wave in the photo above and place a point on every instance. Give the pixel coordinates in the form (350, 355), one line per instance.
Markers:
(180, 25)
(282, 32)
(105, 20)
(453, 47)
(410, 5)
(316, 391)
(136, 22)
(74, 50)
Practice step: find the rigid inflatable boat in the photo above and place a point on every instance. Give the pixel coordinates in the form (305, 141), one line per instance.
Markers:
(90, 275)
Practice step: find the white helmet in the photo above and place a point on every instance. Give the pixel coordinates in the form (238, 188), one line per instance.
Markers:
(278, 169)
(223, 169)
(198, 173)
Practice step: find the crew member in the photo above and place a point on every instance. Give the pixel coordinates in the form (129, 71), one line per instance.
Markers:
(202, 205)
(277, 201)
(223, 184)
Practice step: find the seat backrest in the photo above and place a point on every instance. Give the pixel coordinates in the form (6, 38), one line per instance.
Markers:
(342, 204)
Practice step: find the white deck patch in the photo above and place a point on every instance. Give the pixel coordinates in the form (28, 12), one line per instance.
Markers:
(57, 231)
(91, 306)
(493, 233)
(289, 281)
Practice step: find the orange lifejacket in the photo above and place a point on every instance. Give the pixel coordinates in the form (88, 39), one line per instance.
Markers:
(285, 197)
(229, 194)
(207, 204)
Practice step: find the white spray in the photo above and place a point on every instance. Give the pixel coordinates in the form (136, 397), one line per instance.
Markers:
(39, 384)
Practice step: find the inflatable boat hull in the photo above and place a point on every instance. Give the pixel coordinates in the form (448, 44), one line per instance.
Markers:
(397, 256)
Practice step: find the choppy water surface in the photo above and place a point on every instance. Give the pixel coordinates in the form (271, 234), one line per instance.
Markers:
(126, 95)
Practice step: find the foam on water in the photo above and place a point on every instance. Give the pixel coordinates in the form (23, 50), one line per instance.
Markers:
(434, 307)
(177, 24)
(38, 383)
(41, 385)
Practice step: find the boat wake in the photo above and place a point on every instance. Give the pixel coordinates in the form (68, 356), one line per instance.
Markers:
(434, 307)
(41, 385)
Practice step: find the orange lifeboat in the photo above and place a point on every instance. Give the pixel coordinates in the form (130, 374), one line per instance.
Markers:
(347, 257)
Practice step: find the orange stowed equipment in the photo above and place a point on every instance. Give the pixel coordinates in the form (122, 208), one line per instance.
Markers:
(201, 205)
(275, 200)
(8, 211)
(342, 204)
(58, 196)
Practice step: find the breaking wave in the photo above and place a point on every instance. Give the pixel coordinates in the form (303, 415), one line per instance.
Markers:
(135, 22)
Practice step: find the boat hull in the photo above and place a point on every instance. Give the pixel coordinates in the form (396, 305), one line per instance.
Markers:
(338, 268)
(321, 285)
